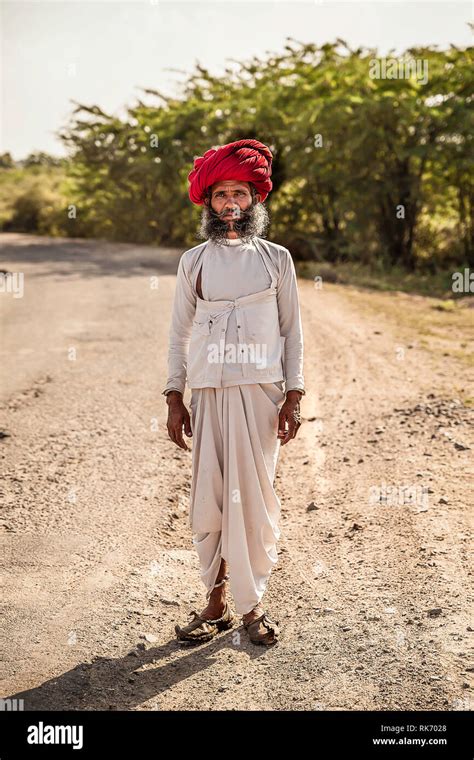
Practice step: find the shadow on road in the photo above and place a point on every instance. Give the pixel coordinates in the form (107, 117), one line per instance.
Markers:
(120, 684)
(84, 258)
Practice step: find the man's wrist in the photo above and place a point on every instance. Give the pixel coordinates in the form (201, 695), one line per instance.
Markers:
(294, 393)
(173, 396)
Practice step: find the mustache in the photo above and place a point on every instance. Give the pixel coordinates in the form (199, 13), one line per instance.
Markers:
(241, 212)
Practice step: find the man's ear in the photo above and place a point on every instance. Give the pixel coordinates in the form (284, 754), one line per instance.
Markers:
(258, 198)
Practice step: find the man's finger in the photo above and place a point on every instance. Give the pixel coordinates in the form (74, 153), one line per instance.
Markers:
(176, 436)
(179, 437)
(187, 426)
(289, 434)
(281, 424)
(293, 427)
(283, 433)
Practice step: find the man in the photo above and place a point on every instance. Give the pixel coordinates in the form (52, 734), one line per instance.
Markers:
(249, 307)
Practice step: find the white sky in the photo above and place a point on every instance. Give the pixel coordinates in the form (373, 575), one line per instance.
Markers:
(102, 53)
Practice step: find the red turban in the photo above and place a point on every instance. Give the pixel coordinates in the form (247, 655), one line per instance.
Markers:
(244, 160)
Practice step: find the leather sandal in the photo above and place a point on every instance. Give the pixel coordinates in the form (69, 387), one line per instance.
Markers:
(201, 629)
(269, 637)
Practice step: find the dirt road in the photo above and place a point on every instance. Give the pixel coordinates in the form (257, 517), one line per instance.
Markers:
(372, 589)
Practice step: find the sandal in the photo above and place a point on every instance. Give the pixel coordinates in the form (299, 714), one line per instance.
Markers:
(269, 637)
(202, 629)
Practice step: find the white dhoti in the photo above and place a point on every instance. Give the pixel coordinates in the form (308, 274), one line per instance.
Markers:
(234, 510)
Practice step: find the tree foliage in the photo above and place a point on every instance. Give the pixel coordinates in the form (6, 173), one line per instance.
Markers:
(366, 168)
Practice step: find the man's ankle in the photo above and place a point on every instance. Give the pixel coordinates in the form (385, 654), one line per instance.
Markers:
(214, 611)
(217, 594)
(256, 612)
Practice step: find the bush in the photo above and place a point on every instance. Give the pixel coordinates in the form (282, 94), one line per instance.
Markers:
(38, 210)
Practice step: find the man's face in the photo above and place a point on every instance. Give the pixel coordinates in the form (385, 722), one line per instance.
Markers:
(230, 198)
(230, 210)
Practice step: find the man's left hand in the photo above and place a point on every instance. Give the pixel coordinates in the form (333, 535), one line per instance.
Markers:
(289, 415)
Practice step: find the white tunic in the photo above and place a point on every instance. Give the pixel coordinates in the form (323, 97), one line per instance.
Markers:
(232, 271)
(270, 330)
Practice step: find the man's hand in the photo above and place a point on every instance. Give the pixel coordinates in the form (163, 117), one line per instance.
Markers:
(178, 417)
(289, 414)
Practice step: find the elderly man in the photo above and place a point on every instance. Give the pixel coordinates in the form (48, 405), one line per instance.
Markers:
(235, 335)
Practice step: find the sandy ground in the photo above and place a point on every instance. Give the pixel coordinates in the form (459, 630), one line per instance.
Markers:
(372, 595)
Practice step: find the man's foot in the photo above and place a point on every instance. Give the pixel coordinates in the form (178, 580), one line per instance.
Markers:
(217, 613)
(201, 629)
(261, 628)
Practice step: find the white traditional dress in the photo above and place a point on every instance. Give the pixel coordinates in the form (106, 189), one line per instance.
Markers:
(234, 510)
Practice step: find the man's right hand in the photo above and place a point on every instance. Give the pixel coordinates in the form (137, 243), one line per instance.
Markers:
(178, 417)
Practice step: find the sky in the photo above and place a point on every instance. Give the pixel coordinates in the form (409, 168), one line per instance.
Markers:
(53, 54)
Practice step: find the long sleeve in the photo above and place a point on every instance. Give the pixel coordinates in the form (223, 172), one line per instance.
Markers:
(290, 323)
(184, 308)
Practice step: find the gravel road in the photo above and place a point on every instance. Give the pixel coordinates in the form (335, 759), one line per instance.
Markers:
(372, 588)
